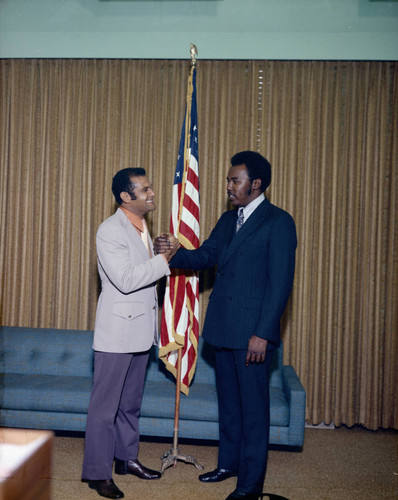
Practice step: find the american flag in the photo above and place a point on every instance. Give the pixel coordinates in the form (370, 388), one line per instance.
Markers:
(180, 316)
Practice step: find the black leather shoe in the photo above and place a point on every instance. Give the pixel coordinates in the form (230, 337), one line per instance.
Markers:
(136, 469)
(106, 488)
(243, 495)
(217, 475)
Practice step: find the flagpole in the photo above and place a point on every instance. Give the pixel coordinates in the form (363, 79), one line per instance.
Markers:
(171, 457)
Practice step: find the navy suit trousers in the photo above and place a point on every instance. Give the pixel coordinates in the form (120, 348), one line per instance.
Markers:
(244, 416)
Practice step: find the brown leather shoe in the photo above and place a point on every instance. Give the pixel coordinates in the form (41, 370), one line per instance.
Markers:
(136, 469)
(106, 488)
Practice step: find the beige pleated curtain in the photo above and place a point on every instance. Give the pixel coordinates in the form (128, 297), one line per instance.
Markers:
(329, 130)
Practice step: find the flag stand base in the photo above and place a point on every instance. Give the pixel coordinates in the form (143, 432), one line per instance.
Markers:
(171, 457)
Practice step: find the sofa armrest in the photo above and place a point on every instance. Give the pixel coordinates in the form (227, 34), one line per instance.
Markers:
(295, 396)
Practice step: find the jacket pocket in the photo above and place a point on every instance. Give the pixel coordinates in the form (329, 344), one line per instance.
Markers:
(128, 310)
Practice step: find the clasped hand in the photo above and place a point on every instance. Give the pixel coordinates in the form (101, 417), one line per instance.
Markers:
(166, 244)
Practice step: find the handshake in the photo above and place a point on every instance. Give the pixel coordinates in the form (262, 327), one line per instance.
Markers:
(167, 244)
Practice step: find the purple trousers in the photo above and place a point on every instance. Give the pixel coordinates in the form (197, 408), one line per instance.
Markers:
(113, 413)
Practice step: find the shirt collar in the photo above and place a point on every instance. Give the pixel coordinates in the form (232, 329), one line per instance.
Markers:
(251, 207)
(134, 219)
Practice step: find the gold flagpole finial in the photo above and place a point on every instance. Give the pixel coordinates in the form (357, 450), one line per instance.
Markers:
(194, 53)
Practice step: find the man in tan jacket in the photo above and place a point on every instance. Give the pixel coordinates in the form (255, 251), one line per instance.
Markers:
(125, 329)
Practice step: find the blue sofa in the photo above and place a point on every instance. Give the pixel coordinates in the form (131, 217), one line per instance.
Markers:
(46, 378)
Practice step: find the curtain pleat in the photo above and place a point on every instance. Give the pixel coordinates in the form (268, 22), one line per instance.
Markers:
(330, 131)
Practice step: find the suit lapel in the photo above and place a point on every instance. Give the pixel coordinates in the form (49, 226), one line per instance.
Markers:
(259, 215)
(132, 234)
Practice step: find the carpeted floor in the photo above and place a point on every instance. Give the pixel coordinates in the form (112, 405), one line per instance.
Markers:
(343, 464)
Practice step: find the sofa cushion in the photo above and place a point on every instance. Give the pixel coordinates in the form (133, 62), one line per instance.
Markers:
(275, 378)
(159, 400)
(279, 407)
(46, 351)
(201, 404)
(45, 392)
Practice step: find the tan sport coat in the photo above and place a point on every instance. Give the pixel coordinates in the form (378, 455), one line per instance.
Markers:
(126, 319)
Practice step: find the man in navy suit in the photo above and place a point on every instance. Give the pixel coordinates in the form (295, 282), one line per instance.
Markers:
(254, 250)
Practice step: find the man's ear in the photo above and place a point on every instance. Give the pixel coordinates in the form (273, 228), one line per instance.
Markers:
(125, 196)
(256, 184)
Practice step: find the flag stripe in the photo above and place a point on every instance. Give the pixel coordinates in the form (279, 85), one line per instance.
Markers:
(191, 206)
(189, 235)
(180, 316)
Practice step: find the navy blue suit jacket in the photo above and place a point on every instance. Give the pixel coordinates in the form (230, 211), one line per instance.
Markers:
(255, 269)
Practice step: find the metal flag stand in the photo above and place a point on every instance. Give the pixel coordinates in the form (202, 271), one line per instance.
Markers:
(171, 457)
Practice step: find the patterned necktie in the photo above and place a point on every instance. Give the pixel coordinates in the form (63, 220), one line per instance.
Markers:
(240, 220)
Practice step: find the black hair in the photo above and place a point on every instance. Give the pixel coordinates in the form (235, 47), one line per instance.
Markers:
(122, 182)
(257, 166)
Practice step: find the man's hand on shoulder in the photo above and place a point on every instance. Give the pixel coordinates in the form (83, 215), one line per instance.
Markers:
(256, 350)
